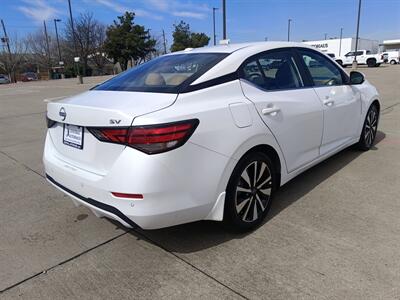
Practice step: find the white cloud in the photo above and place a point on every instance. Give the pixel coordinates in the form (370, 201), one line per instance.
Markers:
(38, 10)
(189, 14)
(122, 9)
(186, 9)
(162, 5)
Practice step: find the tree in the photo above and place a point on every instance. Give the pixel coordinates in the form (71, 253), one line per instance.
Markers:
(10, 62)
(127, 41)
(37, 53)
(88, 33)
(184, 38)
(98, 57)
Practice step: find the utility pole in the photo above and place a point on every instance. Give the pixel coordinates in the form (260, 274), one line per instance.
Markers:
(326, 35)
(215, 36)
(224, 19)
(73, 37)
(164, 42)
(288, 30)
(358, 30)
(340, 43)
(48, 50)
(58, 41)
(6, 40)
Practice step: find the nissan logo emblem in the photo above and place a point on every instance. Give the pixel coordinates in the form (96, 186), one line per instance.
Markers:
(63, 114)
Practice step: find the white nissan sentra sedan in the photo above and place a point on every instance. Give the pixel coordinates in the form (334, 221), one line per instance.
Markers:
(205, 134)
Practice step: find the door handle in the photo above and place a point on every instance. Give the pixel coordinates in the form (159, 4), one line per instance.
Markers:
(270, 110)
(329, 102)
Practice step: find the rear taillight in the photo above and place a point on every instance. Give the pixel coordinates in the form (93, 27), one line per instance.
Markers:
(149, 139)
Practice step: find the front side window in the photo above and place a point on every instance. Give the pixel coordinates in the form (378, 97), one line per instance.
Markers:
(166, 74)
(350, 54)
(273, 71)
(323, 72)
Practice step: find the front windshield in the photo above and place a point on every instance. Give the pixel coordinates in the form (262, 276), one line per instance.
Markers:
(166, 74)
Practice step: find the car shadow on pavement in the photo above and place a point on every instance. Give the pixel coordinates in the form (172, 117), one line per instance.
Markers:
(201, 235)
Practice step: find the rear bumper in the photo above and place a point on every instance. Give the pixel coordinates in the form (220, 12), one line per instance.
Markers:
(99, 208)
(178, 187)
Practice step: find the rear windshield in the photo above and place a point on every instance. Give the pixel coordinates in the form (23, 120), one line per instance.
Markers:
(166, 74)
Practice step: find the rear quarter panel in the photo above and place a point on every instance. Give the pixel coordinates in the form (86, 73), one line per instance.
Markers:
(217, 131)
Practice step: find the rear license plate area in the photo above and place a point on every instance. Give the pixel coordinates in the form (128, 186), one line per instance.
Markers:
(73, 136)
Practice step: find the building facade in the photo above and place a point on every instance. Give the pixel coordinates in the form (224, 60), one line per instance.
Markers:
(342, 46)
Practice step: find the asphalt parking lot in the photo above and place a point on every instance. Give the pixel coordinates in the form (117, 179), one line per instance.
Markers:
(333, 232)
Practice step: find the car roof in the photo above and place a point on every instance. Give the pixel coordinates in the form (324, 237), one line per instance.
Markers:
(230, 48)
(237, 54)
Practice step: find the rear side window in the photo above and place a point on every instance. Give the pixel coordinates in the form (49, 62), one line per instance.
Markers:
(275, 70)
(323, 72)
(166, 74)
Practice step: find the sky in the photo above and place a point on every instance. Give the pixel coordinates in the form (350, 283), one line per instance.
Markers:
(247, 20)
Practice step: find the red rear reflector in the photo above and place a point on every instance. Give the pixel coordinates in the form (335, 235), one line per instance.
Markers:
(150, 139)
(129, 196)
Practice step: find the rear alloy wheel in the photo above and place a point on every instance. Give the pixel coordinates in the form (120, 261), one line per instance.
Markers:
(370, 129)
(249, 192)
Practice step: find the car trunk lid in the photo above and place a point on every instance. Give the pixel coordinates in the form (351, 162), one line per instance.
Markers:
(98, 109)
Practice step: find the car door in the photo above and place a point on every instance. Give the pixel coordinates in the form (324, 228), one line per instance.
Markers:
(289, 108)
(341, 102)
(348, 58)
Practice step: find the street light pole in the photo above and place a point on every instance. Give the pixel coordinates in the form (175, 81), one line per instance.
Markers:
(215, 36)
(358, 30)
(326, 35)
(288, 30)
(224, 19)
(60, 63)
(48, 50)
(73, 37)
(340, 43)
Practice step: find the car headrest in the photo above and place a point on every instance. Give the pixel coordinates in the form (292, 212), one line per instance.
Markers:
(154, 79)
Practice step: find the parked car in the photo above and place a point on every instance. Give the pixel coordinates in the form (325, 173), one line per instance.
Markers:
(391, 57)
(29, 76)
(364, 57)
(213, 139)
(4, 79)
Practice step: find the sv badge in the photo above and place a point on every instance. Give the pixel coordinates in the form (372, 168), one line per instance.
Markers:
(114, 121)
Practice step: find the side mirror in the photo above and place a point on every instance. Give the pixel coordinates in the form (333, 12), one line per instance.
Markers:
(356, 77)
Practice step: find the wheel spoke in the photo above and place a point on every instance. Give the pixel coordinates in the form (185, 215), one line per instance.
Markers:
(254, 174)
(246, 178)
(255, 212)
(242, 204)
(263, 166)
(260, 202)
(259, 186)
(247, 210)
(242, 189)
(266, 192)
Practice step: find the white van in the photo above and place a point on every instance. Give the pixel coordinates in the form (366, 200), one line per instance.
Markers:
(391, 57)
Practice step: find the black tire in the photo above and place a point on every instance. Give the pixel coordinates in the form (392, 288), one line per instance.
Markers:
(370, 128)
(371, 62)
(248, 195)
(392, 62)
